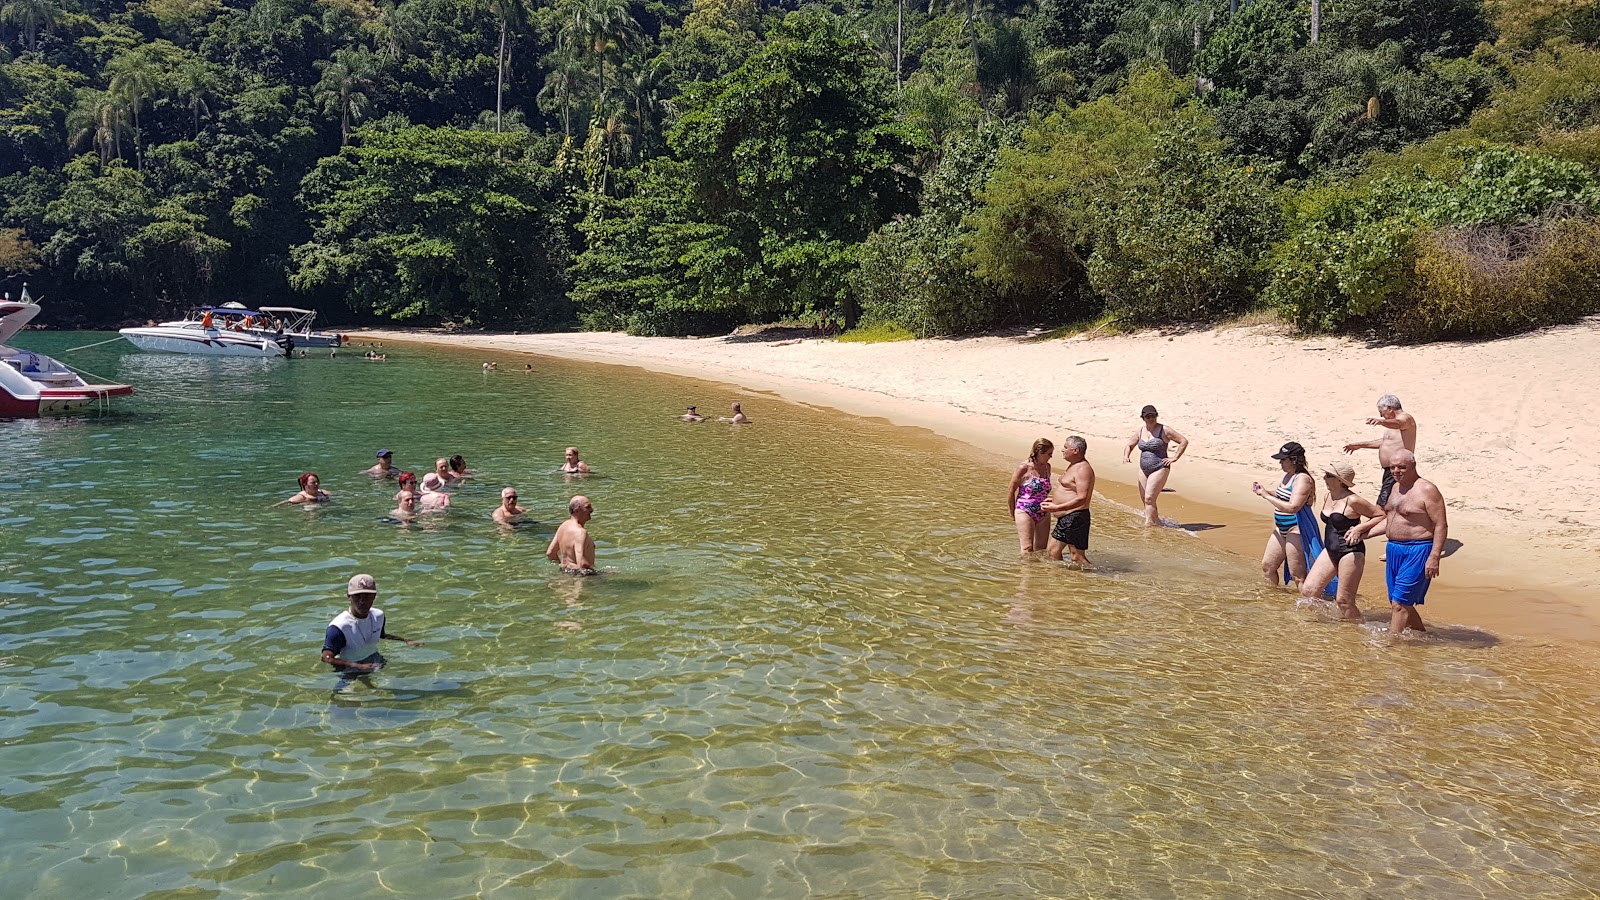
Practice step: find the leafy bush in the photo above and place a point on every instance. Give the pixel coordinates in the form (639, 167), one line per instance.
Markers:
(913, 275)
(1186, 246)
(1354, 252)
(1487, 280)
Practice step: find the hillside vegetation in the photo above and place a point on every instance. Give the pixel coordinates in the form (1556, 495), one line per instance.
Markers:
(1414, 168)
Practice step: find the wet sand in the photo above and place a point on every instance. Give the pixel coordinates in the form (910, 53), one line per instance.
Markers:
(1508, 429)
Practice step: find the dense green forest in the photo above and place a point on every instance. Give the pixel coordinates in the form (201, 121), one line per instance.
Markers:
(1417, 168)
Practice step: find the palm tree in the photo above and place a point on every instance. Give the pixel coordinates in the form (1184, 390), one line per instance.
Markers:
(100, 117)
(601, 28)
(1316, 20)
(641, 82)
(346, 79)
(196, 83)
(31, 17)
(564, 81)
(134, 78)
(510, 14)
(1161, 32)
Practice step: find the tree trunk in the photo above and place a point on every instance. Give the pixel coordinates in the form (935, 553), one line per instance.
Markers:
(499, 76)
(899, 40)
(1316, 20)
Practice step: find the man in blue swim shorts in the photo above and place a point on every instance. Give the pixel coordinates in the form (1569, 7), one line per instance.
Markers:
(1416, 527)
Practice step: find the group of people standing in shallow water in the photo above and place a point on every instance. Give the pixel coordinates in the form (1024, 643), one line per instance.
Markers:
(1409, 511)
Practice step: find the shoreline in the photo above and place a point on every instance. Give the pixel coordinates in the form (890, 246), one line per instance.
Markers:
(1504, 428)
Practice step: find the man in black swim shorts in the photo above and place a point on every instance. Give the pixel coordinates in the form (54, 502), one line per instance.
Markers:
(1069, 501)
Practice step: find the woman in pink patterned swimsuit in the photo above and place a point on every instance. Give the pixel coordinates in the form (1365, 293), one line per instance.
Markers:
(1030, 486)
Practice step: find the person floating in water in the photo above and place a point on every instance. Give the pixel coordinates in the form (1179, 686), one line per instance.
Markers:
(508, 512)
(350, 644)
(574, 465)
(441, 468)
(1399, 433)
(693, 415)
(1030, 486)
(1415, 523)
(738, 417)
(310, 491)
(385, 467)
(458, 468)
(1071, 504)
(572, 548)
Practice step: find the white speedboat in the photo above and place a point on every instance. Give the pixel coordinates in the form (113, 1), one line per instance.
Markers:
(297, 327)
(32, 384)
(208, 334)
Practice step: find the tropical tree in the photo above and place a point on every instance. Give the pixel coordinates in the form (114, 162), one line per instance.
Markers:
(135, 78)
(344, 88)
(511, 15)
(99, 117)
(1162, 32)
(561, 84)
(31, 17)
(600, 29)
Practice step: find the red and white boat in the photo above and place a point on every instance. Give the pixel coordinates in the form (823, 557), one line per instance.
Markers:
(32, 384)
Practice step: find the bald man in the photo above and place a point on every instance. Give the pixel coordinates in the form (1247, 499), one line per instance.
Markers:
(1416, 526)
(572, 548)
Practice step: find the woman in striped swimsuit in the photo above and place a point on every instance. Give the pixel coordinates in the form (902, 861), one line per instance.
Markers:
(1285, 542)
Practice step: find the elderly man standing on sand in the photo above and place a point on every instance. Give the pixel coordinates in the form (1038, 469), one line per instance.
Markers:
(1399, 433)
(1417, 529)
(572, 548)
(1071, 505)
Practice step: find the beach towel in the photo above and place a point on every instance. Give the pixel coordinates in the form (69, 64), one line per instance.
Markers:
(1311, 538)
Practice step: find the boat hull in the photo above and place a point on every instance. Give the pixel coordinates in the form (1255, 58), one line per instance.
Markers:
(50, 402)
(200, 342)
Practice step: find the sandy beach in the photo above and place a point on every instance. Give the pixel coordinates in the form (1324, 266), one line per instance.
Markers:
(1507, 429)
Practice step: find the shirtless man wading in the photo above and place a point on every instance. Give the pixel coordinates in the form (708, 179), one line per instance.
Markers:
(572, 548)
(1399, 433)
(1069, 502)
(1417, 529)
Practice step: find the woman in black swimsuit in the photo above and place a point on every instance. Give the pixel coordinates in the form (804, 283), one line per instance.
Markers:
(1343, 510)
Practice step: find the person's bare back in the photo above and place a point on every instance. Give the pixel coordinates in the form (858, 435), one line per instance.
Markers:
(572, 548)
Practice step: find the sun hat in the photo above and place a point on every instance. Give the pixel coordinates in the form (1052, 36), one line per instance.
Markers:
(361, 584)
(1148, 411)
(432, 481)
(384, 452)
(1343, 471)
(1290, 449)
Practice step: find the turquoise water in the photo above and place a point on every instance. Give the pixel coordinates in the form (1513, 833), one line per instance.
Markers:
(813, 668)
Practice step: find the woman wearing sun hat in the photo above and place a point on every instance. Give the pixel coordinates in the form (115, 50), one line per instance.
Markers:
(1343, 510)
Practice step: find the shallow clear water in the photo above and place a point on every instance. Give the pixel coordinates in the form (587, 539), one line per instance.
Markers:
(815, 668)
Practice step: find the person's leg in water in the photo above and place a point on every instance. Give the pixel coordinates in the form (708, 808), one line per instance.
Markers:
(1272, 560)
(1041, 532)
(1350, 570)
(1026, 533)
(1153, 485)
(1294, 549)
(1316, 580)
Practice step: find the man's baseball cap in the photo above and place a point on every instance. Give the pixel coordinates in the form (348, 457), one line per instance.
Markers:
(385, 452)
(361, 584)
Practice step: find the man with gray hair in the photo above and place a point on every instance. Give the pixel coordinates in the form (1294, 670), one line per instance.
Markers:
(1070, 504)
(1399, 433)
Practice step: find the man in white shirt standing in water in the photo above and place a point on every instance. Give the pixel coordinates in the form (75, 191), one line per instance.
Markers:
(350, 644)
